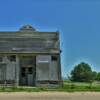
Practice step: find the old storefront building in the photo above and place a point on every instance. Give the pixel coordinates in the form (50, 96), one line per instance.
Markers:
(30, 58)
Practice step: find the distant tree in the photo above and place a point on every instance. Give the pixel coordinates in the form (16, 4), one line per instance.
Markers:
(82, 73)
(94, 74)
(98, 76)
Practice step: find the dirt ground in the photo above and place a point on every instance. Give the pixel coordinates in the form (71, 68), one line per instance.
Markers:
(50, 96)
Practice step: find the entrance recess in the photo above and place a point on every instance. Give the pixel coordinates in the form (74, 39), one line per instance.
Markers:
(27, 70)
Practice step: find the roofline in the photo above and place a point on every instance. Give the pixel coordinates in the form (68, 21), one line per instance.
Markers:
(29, 32)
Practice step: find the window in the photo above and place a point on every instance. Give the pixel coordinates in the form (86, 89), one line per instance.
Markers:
(30, 70)
(1, 59)
(54, 58)
(12, 58)
(23, 72)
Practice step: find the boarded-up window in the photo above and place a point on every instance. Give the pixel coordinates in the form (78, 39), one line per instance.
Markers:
(10, 71)
(2, 72)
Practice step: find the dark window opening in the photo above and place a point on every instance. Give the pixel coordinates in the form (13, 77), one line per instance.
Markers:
(53, 82)
(23, 69)
(54, 58)
(1, 59)
(30, 70)
(23, 72)
(12, 58)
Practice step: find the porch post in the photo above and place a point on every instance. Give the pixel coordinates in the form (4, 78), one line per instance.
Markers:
(17, 70)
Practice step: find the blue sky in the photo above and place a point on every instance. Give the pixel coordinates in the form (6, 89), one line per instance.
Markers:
(78, 22)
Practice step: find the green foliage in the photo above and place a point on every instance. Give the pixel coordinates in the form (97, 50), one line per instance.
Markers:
(82, 73)
(98, 76)
(94, 74)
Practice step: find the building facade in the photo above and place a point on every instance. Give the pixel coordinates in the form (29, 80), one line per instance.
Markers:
(30, 58)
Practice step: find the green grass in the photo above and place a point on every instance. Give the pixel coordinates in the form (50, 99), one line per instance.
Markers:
(67, 87)
(80, 86)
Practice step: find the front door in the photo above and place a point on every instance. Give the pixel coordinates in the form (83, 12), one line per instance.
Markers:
(28, 70)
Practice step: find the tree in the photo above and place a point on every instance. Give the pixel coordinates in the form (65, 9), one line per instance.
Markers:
(82, 73)
(94, 73)
(98, 76)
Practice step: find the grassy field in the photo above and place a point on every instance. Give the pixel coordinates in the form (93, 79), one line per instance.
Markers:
(66, 87)
(79, 86)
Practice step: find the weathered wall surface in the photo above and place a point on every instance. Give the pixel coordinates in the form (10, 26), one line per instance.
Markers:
(7, 71)
(46, 68)
(54, 71)
(28, 41)
(42, 67)
(10, 71)
(2, 71)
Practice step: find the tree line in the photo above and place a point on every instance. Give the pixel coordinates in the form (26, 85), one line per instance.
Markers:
(83, 73)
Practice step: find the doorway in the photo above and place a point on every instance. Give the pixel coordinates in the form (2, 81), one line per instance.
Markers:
(27, 70)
